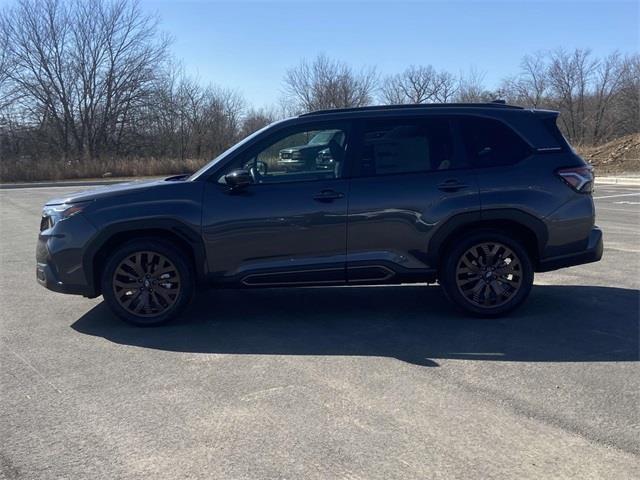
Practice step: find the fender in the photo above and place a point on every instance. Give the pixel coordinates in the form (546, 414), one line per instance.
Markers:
(537, 226)
(484, 218)
(185, 232)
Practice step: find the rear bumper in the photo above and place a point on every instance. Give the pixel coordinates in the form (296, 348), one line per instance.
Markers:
(592, 253)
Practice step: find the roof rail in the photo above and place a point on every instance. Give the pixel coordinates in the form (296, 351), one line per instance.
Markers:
(493, 104)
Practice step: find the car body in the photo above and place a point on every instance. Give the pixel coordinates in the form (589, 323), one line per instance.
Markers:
(411, 187)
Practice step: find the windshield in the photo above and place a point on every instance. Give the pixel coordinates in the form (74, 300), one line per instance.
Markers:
(228, 151)
(322, 138)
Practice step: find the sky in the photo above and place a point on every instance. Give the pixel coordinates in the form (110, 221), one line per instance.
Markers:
(250, 45)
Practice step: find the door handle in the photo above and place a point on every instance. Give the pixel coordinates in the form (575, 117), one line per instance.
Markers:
(327, 196)
(452, 185)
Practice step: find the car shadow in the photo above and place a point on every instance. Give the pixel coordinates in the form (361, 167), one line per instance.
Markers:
(411, 323)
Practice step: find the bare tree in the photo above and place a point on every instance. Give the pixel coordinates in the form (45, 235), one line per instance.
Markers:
(414, 85)
(255, 119)
(84, 83)
(418, 84)
(326, 83)
(4, 69)
(471, 88)
(83, 68)
(570, 74)
(445, 87)
(530, 87)
(608, 77)
(627, 105)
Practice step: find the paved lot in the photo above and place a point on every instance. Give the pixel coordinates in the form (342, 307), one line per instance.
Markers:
(324, 383)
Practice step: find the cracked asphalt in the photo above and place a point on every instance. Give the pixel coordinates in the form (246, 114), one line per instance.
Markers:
(324, 383)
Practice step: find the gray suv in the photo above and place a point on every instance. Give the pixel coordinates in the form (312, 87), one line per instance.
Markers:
(477, 197)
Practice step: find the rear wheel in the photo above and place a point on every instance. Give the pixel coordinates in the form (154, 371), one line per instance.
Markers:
(147, 282)
(487, 273)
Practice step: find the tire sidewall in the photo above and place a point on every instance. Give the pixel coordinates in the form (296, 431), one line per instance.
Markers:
(448, 272)
(175, 255)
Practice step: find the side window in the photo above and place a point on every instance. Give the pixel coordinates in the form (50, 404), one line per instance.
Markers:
(309, 154)
(405, 146)
(490, 143)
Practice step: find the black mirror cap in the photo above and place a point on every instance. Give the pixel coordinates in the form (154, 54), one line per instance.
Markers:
(238, 179)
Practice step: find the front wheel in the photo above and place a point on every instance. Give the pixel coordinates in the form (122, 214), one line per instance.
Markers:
(487, 274)
(147, 282)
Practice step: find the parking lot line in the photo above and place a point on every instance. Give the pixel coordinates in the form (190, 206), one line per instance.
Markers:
(618, 195)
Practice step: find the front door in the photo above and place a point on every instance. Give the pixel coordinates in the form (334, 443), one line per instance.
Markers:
(289, 225)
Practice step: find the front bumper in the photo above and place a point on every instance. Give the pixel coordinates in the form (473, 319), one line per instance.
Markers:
(291, 163)
(59, 257)
(592, 253)
(47, 277)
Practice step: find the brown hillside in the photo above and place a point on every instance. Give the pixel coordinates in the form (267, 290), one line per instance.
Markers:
(618, 156)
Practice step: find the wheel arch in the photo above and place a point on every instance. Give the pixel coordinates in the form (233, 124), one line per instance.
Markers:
(529, 230)
(174, 232)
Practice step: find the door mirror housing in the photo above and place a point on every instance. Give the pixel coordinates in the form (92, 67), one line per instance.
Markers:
(238, 179)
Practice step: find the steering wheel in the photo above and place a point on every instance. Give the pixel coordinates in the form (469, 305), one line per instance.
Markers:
(262, 167)
(258, 170)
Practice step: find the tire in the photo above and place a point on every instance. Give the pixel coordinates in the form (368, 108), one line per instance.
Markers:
(147, 282)
(487, 273)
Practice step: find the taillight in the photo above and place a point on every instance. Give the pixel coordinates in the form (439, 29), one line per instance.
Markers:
(578, 178)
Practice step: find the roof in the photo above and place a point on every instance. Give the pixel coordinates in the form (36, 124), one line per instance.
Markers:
(419, 106)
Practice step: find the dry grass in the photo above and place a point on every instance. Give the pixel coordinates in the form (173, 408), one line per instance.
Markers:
(618, 156)
(31, 170)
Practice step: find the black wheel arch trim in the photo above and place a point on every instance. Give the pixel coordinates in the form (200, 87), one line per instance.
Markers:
(189, 236)
(483, 218)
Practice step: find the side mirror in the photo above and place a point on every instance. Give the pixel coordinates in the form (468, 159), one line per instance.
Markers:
(238, 179)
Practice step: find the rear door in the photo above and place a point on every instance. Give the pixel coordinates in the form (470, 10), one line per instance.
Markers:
(410, 176)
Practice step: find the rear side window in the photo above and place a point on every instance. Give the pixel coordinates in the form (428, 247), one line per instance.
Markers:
(552, 128)
(405, 146)
(491, 143)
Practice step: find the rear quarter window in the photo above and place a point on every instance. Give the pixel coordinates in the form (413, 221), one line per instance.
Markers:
(551, 126)
(490, 143)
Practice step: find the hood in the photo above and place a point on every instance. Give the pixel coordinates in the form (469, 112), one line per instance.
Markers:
(305, 147)
(110, 190)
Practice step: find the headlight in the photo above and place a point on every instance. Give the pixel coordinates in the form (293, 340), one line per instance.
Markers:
(52, 214)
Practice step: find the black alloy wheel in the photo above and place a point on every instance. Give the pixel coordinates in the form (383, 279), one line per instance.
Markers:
(487, 273)
(147, 281)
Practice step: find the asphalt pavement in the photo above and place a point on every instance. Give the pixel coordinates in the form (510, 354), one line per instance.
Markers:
(324, 383)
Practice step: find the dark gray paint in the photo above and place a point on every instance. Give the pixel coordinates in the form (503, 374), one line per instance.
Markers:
(383, 229)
